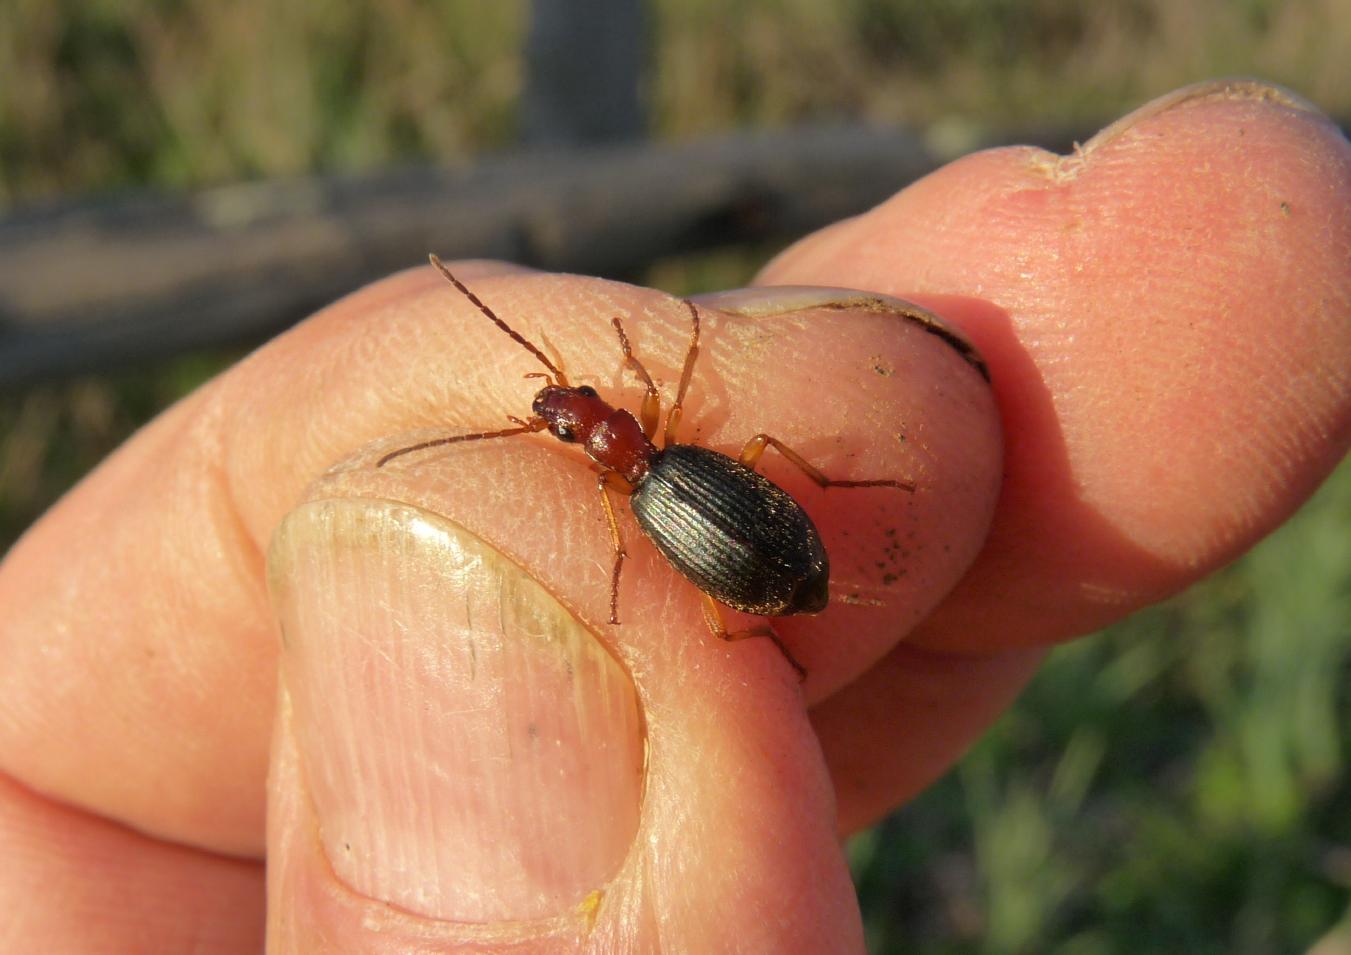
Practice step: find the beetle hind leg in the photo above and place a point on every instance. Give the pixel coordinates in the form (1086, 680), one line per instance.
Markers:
(713, 617)
(755, 448)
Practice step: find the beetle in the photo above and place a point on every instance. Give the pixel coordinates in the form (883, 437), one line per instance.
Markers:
(736, 535)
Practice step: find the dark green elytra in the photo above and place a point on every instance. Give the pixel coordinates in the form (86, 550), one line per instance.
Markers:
(735, 534)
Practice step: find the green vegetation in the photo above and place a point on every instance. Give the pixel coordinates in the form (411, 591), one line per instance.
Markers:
(101, 94)
(1177, 779)
(1172, 785)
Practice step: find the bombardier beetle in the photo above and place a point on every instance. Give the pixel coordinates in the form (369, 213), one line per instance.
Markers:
(736, 535)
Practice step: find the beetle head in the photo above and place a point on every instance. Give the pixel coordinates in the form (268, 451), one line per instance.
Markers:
(572, 413)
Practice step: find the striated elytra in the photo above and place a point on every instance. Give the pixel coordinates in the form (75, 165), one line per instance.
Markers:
(733, 533)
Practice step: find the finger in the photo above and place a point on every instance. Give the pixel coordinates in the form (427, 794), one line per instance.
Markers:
(74, 883)
(1173, 368)
(548, 865)
(900, 726)
(138, 641)
(230, 461)
(1171, 364)
(106, 887)
(461, 760)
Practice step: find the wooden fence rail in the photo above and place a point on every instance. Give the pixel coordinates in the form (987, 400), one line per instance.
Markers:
(95, 286)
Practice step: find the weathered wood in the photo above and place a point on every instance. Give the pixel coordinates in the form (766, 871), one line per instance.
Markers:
(88, 287)
(584, 66)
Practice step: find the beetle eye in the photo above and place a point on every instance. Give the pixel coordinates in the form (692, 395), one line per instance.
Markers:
(586, 391)
(563, 432)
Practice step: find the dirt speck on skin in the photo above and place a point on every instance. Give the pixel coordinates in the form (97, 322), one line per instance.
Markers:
(854, 600)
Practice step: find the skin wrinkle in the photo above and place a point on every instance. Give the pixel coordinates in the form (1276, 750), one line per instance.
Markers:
(242, 555)
(90, 870)
(54, 801)
(220, 475)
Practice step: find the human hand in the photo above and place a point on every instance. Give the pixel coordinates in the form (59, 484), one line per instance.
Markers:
(1165, 319)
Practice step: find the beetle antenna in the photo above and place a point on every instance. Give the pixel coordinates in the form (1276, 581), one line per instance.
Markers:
(515, 336)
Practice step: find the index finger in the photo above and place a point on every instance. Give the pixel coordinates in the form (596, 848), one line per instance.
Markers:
(148, 696)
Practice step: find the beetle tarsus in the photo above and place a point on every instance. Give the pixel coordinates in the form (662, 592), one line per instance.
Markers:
(755, 448)
(604, 482)
(713, 617)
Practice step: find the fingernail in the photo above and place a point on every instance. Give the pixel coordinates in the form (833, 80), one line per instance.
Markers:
(471, 751)
(1233, 88)
(764, 301)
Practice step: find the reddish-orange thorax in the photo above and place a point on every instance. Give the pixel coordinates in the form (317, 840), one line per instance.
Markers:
(612, 437)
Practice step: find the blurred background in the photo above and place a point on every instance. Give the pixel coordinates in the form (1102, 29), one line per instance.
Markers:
(180, 179)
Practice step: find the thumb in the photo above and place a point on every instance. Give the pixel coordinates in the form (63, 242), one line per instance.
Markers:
(461, 764)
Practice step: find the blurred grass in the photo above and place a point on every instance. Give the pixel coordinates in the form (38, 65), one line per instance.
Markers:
(1175, 784)
(101, 94)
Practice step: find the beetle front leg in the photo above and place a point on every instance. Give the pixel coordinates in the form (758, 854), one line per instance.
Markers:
(651, 408)
(713, 617)
(755, 447)
(686, 373)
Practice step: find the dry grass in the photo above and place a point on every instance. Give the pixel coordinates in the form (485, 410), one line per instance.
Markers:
(109, 94)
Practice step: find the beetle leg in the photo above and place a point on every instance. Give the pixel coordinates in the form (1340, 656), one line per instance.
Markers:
(673, 416)
(713, 617)
(755, 447)
(604, 483)
(651, 409)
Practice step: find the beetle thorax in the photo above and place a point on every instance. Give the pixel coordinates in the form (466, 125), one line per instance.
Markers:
(611, 436)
